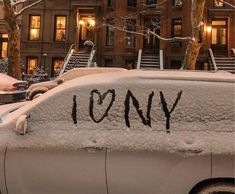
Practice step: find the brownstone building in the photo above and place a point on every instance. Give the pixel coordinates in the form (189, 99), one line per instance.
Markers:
(50, 28)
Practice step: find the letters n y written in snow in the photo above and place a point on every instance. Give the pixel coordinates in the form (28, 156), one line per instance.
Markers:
(146, 120)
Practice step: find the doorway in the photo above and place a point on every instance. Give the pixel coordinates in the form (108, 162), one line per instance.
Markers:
(151, 43)
(86, 30)
(219, 36)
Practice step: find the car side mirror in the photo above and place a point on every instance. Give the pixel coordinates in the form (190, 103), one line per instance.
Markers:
(22, 125)
(60, 81)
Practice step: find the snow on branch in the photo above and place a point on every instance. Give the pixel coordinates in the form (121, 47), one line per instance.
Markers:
(16, 2)
(152, 33)
(27, 7)
(227, 3)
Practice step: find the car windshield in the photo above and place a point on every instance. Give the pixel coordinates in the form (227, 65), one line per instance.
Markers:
(7, 109)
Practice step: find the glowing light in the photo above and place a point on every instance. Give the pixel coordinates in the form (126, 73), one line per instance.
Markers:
(208, 29)
(91, 22)
(81, 22)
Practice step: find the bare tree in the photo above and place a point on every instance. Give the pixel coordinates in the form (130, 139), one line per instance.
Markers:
(11, 15)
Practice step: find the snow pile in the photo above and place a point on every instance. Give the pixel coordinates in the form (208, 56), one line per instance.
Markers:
(165, 111)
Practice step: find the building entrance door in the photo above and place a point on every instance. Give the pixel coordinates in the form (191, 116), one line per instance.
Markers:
(86, 30)
(219, 36)
(151, 43)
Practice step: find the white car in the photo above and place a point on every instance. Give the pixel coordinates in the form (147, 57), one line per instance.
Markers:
(38, 89)
(11, 89)
(131, 132)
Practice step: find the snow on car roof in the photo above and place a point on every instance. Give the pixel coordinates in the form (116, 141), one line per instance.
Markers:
(166, 111)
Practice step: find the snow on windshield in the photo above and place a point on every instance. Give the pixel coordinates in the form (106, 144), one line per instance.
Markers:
(132, 110)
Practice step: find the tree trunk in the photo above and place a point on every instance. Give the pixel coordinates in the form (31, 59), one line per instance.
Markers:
(14, 58)
(194, 45)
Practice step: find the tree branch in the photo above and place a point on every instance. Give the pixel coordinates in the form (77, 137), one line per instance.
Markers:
(17, 2)
(27, 7)
(227, 3)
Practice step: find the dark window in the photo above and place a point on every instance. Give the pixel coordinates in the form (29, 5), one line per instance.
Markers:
(34, 27)
(110, 3)
(131, 3)
(149, 2)
(108, 62)
(3, 45)
(177, 3)
(56, 66)
(130, 37)
(110, 32)
(176, 27)
(32, 65)
(218, 3)
(60, 28)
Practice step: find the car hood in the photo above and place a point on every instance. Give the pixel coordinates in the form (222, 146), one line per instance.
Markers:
(48, 84)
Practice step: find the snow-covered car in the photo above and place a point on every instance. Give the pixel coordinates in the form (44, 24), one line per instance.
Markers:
(37, 89)
(11, 89)
(129, 132)
(7, 109)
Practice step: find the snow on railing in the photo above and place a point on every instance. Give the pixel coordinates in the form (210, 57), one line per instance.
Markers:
(233, 51)
(161, 59)
(213, 59)
(139, 58)
(92, 54)
(66, 59)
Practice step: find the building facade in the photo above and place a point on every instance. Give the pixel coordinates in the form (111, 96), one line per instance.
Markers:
(50, 28)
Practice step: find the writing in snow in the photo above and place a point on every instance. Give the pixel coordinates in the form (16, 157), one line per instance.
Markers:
(144, 117)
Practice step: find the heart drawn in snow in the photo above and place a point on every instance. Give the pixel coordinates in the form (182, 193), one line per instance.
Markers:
(101, 98)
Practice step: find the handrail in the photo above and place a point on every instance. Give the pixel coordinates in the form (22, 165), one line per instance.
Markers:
(161, 59)
(66, 59)
(233, 51)
(92, 53)
(213, 59)
(139, 58)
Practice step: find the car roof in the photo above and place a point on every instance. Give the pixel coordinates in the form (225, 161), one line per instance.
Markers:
(79, 72)
(113, 110)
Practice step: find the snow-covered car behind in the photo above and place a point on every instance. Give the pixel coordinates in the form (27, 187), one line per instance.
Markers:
(11, 89)
(37, 89)
(130, 132)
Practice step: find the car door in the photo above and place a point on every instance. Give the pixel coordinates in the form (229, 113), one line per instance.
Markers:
(55, 171)
(2, 175)
(138, 172)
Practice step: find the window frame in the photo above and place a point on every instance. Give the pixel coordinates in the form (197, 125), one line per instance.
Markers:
(132, 24)
(64, 29)
(27, 64)
(110, 3)
(110, 29)
(131, 3)
(2, 41)
(174, 3)
(39, 28)
(149, 2)
(173, 24)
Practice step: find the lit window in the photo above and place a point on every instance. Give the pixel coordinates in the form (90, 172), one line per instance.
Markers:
(176, 27)
(3, 45)
(57, 64)
(32, 64)
(60, 28)
(34, 31)
(218, 3)
(131, 3)
(130, 37)
(177, 3)
(110, 32)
